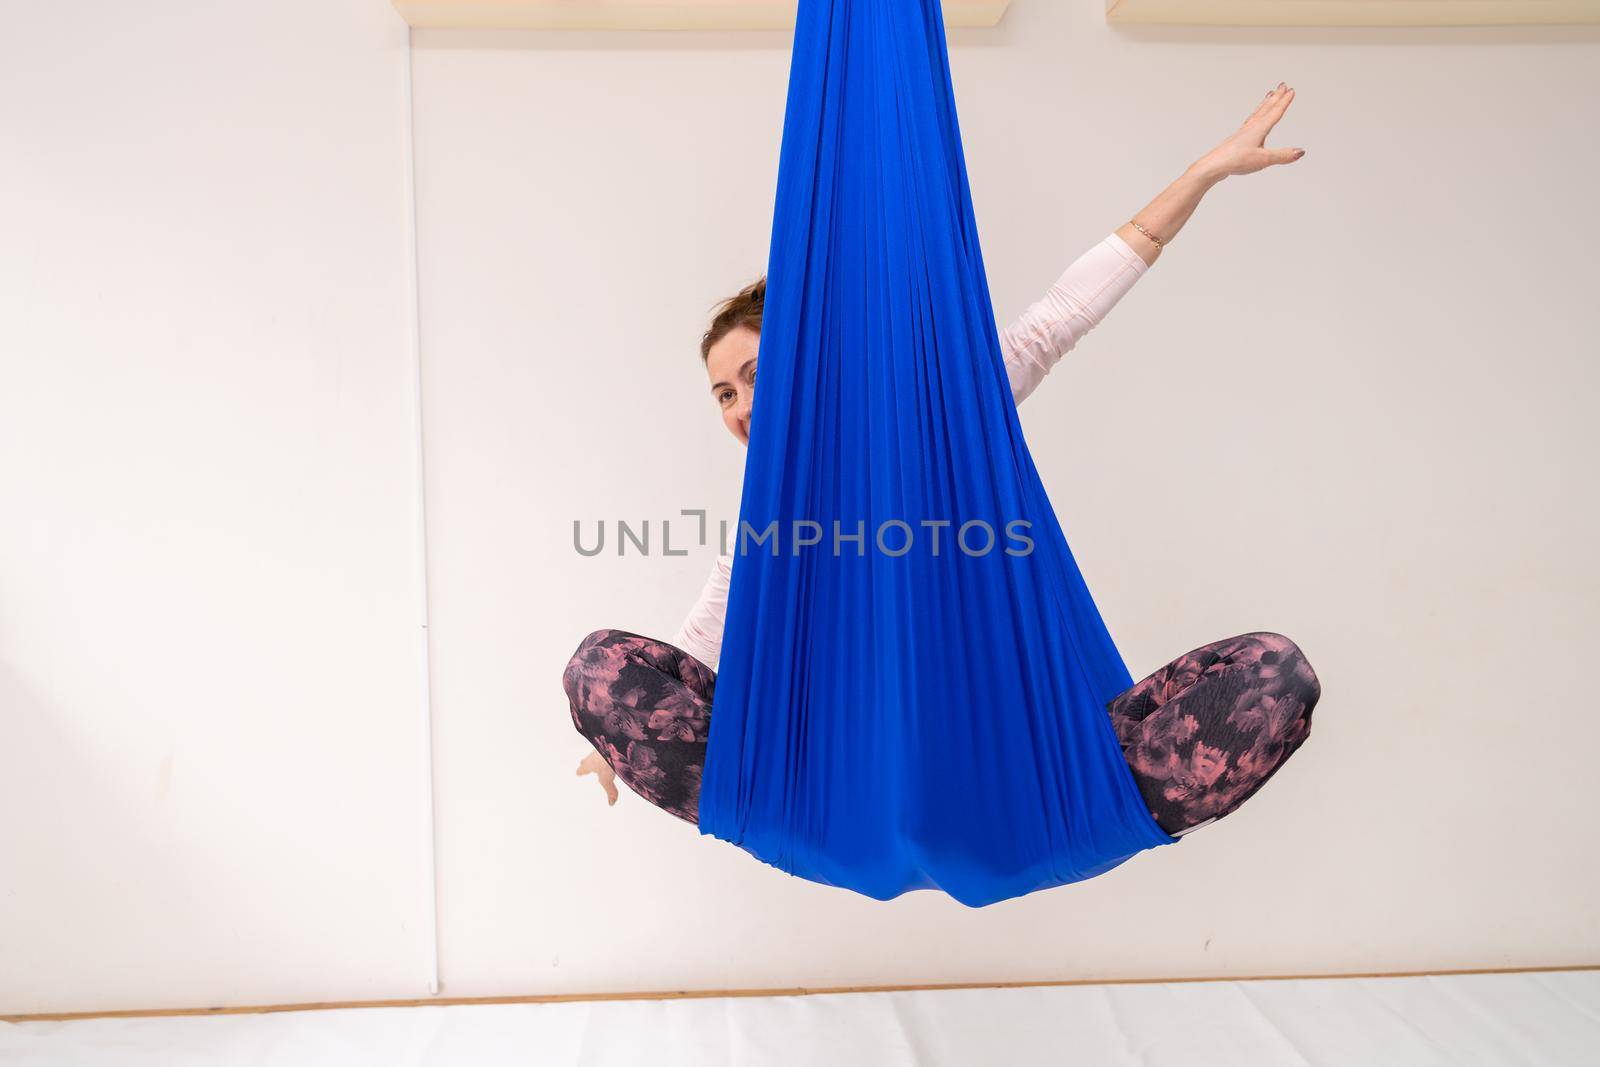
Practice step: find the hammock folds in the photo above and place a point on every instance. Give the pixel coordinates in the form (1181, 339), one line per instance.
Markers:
(897, 709)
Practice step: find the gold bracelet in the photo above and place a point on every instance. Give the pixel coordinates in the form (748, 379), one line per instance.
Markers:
(1156, 240)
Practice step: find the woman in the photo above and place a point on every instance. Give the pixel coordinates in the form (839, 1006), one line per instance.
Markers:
(1201, 735)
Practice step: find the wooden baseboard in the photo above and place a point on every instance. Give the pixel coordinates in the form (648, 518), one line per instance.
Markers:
(697, 994)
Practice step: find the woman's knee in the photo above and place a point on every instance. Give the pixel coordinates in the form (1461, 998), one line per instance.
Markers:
(601, 638)
(1281, 657)
(1308, 678)
(585, 668)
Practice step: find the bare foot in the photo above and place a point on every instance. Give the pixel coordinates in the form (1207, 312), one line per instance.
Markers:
(595, 765)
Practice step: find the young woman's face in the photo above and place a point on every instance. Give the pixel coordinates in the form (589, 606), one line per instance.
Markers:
(731, 365)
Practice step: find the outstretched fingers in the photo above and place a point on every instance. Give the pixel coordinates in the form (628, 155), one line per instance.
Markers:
(1265, 117)
(1271, 109)
(1267, 103)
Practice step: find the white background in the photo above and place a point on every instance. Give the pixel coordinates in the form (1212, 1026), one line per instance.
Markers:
(1351, 403)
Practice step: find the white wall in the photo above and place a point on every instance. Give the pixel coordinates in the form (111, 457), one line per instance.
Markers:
(211, 770)
(1348, 404)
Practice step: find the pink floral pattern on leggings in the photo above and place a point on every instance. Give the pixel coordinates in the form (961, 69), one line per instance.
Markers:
(646, 708)
(1206, 731)
(1200, 735)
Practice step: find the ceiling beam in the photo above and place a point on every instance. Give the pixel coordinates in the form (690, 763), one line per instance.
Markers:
(643, 14)
(1352, 12)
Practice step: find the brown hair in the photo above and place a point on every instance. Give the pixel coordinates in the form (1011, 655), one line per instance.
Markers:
(741, 309)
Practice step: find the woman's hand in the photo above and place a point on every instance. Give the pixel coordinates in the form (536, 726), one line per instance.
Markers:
(1245, 152)
(595, 765)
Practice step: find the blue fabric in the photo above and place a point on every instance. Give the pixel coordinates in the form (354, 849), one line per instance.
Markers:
(889, 720)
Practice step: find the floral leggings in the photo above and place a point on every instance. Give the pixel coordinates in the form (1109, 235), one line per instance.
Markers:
(1201, 734)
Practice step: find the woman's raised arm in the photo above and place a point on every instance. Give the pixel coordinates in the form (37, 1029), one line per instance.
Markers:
(1243, 152)
(1050, 328)
(1096, 280)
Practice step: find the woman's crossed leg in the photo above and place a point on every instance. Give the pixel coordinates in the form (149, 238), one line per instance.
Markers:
(1207, 730)
(1200, 735)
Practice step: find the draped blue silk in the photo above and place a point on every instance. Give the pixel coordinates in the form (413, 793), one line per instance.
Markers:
(903, 711)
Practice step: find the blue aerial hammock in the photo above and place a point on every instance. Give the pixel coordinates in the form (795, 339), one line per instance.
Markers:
(890, 713)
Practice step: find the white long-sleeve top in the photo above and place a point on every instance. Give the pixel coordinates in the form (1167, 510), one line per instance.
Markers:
(1048, 330)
